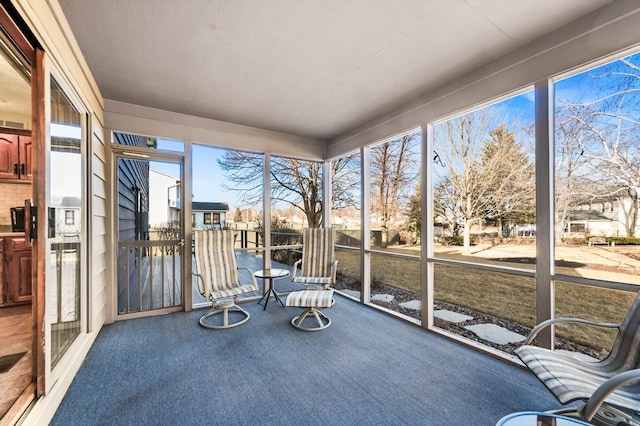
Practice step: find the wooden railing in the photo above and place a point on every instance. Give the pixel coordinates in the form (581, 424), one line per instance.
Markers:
(149, 275)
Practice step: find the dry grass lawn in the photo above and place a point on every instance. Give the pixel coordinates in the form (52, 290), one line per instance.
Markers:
(512, 297)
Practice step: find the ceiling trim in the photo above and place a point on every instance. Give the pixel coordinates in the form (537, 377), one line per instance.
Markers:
(136, 119)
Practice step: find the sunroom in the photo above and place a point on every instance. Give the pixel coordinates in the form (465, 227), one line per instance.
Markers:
(477, 159)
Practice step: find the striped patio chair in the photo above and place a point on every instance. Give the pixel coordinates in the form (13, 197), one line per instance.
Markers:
(609, 389)
(317, 274)
(218, 279)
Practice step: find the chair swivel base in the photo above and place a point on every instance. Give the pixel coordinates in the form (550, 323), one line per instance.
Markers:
(605, 416)
(322, 320)
(223, 309)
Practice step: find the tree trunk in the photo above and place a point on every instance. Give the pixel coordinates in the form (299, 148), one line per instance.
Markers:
(467, 236)
(635, 204)
(384, 231)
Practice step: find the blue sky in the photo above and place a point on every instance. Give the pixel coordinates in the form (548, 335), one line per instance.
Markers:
(207, 176)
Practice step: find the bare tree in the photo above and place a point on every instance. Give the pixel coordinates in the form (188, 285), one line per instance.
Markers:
(393, 172)
(345, 182)
(571, 169)
(297, 183)
(608, 130)
(458, 143)
(484, 174)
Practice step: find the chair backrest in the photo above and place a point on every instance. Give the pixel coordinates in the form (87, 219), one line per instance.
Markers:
(318, 252)
(215, 260)
(625, 352)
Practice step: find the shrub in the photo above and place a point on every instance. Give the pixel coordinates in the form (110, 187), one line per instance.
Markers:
(457, 240)
(575, 241)
(283, 234)
(627, 241)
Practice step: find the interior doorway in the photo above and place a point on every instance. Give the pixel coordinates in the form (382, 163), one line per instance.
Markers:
(19, 354)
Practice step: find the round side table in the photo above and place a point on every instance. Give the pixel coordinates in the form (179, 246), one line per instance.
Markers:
(269, 275)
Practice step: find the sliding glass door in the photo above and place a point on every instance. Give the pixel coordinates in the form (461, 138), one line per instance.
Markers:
(66, 283)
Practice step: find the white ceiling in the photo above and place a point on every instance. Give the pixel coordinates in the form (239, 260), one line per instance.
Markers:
(313, 68)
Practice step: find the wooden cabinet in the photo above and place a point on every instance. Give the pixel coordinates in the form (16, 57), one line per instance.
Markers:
(16, 271)
(25, 157)
(15, 155)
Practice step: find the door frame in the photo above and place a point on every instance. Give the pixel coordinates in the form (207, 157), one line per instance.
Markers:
(117, 152)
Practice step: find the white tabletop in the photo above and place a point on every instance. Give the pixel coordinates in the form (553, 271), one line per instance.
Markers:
(271, 273)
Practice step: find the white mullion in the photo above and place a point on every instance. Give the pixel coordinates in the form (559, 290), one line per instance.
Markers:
(426, 231)
(365, 218)
(266, 208)
(326, 194)
(544, 135)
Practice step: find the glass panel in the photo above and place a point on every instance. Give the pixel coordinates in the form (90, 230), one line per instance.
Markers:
(238, 178)
(470, 297)
(348, 276)
(597, 180)
(593, 304)
(168, 145)
(228, 193)
(395, 284)
(149, 235)
(296, 203)
(64, 275)
(484, 185)
(346, 213)
(395, 169)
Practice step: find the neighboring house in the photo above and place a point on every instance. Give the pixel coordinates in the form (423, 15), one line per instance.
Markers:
(588, 223)
(165, 204)
(606, 218)
(68, 217)
(207, 214)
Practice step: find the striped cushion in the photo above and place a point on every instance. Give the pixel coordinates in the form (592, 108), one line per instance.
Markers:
(310, 298)
(314, 280)
(571, 379)
(216, 264)
(317, 253)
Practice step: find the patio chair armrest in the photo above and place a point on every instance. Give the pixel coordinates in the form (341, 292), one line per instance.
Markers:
(200, 284)
(253, 277)
(591, 406)
(544, 324)
(334, 271)
(294, 268)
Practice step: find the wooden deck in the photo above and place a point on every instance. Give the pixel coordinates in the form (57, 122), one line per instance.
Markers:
(160, 278)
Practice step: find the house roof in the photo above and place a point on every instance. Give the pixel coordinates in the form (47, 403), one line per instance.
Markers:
(315, 69)
(590, 215)
(206, 206)
(62, 201)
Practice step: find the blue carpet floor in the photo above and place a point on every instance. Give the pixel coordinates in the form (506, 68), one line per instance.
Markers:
(367, 368)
